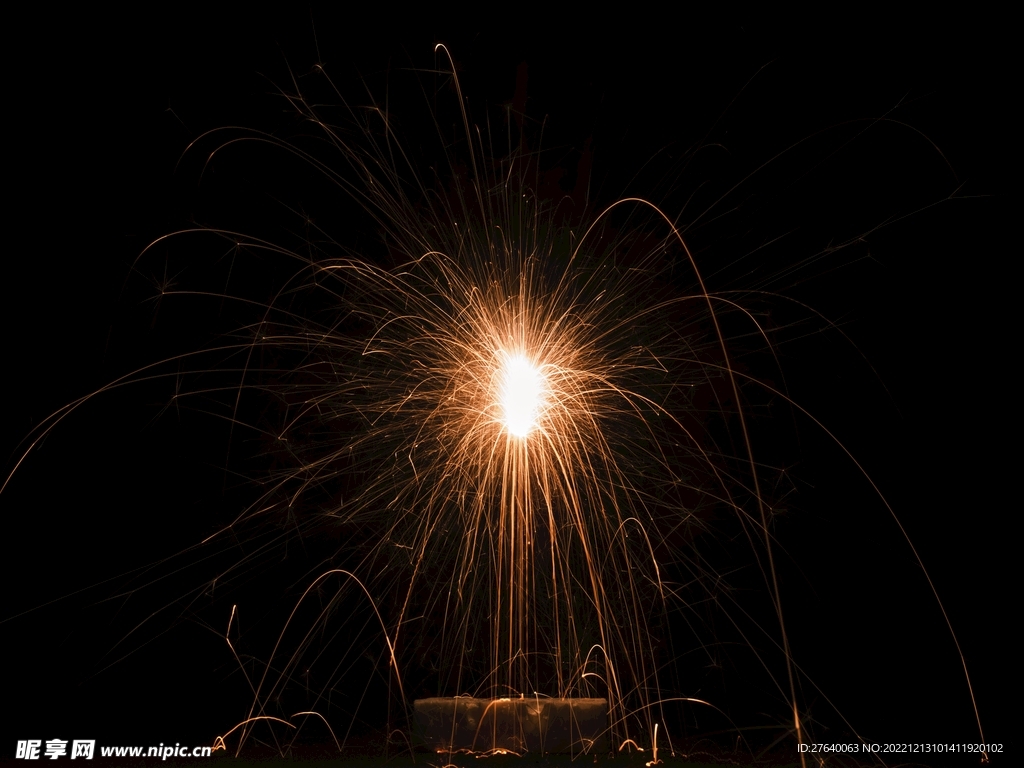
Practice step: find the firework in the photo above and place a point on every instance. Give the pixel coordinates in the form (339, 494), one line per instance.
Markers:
(503, 433)
(512, 401)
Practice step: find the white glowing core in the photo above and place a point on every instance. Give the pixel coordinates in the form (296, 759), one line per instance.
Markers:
(521, 395)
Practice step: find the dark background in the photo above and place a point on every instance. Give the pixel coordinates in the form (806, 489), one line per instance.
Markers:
(99, 111)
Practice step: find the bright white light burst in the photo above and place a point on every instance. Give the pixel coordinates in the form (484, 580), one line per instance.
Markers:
(521, 394)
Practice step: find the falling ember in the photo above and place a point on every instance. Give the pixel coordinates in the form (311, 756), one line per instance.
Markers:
(521, 394)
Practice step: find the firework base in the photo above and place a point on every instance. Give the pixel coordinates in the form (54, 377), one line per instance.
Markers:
(521, 725)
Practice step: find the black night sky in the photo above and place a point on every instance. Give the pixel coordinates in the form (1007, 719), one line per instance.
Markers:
(902, 147)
